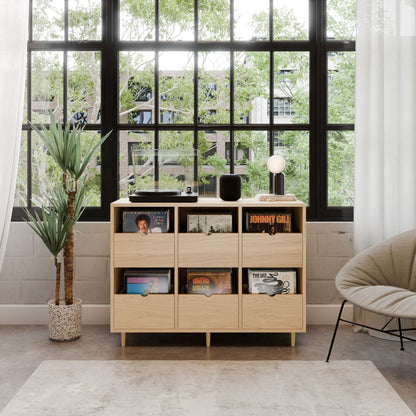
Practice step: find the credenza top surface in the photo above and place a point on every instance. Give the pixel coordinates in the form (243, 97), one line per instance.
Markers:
(211, 202)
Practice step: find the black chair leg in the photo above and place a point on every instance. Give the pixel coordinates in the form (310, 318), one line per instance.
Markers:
(335, 330)
(401, 335)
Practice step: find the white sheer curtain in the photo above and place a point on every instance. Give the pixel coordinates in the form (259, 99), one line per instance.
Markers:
(385, 127)
(385, 147)
(13, 41)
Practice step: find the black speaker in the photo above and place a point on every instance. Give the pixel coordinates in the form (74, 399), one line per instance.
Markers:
(230, 187)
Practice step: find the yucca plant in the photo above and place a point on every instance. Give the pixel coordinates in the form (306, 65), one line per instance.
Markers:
(66, 147)
(53, 227)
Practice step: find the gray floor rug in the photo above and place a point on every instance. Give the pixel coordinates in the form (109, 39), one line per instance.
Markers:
(207, 388)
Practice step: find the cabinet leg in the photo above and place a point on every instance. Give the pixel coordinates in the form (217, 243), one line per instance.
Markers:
(123, 339)
(208, 339)
(292, 339)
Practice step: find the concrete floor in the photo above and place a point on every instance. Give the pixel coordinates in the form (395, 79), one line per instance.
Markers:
(23, 348)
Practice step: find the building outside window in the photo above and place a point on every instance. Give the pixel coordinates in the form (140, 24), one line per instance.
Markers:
(201, 78)
(140, 117)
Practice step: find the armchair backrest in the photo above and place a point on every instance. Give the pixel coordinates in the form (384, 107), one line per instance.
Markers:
(390, 263)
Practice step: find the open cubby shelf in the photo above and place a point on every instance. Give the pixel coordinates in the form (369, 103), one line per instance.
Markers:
(180, 250)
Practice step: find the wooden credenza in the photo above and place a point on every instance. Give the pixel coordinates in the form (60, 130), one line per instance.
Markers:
(179, 250)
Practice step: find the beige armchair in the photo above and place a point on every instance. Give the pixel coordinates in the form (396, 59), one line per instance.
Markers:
(382, 279)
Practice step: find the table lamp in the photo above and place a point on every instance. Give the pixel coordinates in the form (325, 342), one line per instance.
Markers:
(276, 165)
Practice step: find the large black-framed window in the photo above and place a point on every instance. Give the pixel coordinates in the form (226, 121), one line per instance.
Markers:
(206, 86)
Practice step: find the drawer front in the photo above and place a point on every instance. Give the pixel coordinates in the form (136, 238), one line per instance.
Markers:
(136, 312)
(138, 250)
(208, 312)
(278, 250)
(202, 250)
(279, 312)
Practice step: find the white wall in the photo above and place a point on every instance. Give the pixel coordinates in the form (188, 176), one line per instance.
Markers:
(329, 247)
(28, 272)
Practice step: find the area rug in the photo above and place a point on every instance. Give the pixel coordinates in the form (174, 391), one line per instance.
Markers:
(207, 388)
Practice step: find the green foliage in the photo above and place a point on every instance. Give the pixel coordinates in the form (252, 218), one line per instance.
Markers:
(51, 227)
(340, 168)
(175, 18)
(85, 22)
(341, 18)
(341, 88)
(49, 20)
(139, 19)
(214, 20)
(217, 162)
(66, 148)
(66, 202)
(251, 86)
(295, 151)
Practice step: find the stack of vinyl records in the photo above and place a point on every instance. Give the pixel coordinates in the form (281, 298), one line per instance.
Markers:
(145, 281)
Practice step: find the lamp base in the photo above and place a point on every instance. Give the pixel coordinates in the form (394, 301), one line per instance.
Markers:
(279, 184)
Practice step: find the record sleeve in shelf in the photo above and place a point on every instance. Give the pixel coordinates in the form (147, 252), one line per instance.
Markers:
(272, 281)
(270, 222)
(208, 281)
(145, 281)
(209, 223)
(146, 221)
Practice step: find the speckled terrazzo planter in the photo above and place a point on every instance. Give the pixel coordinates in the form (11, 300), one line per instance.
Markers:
(64, 320)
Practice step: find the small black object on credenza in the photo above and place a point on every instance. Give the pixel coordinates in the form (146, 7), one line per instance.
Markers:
(230, 187)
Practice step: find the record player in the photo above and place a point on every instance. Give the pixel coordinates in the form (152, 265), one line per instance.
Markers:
(163, 195)
(154, 168)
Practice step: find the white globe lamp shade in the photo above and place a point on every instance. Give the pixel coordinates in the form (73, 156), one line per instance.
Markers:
(276, 164)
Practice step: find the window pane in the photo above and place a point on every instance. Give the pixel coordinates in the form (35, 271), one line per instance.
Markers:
(20, 196)
(252, 151)
(251, 20)
(46, 174)
(291, 87)
(341, 87)
(84, 18)
(176, 20)
(340, 168)
(47, 85)
(213, 87)
(137, 20)
(134, 172)
(94, 169)
(176, 87)
(176, 159)
(341, 19)
(212, 162)
(136, 83)
(214, 20)
(84, 87)
(293, 146)
(251, 87)
(48, 19)
(290, 19)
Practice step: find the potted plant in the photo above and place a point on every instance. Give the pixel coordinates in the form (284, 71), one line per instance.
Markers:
(55, 223)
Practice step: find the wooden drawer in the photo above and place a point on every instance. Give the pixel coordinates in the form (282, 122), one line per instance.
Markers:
(202, 250)
(278, 250)
(138, 250)
(136, 312)
(208, 312)
(279, 312)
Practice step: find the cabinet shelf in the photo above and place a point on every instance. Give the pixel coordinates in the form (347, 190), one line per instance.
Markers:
(238, 250)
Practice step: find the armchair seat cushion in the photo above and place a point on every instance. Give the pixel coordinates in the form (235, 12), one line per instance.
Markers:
(385, 300)
(382, 278)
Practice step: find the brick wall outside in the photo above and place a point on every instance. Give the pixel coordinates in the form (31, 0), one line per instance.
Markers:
(28, 272)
